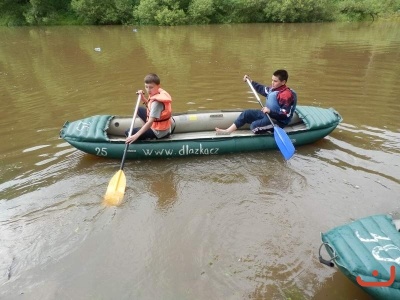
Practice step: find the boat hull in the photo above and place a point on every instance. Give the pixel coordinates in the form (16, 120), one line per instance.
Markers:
(195, 147)
(91, 136)
(365, 251)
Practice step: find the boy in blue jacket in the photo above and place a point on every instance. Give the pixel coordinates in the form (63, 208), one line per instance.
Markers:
(280, 104)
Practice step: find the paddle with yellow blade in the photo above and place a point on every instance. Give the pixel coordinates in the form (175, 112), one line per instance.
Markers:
(116, 188)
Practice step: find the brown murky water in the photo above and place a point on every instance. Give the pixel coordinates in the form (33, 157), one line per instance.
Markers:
(241, 226)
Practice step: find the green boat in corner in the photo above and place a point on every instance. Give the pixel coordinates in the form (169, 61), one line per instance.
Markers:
(193, 134)
(367, 251)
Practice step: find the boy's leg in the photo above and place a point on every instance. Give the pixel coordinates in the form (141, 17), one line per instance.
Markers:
(262, 125)
(248, 117)
(142, 113)
(148, 134)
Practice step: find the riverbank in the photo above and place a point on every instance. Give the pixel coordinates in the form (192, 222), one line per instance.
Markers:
(191, 12)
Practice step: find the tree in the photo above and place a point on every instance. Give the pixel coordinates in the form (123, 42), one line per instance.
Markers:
(105, 11)
(363, 9)
(42, 11)
(299, 11)
(200, 11)
(159, 12)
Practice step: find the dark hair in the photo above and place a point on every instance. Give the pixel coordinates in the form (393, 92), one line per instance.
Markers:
(282, 75)
(152, 78)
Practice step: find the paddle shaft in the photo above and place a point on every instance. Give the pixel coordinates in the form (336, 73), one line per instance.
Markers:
(130, 131)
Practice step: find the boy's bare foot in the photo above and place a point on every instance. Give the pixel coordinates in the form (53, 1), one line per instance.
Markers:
(221, 131)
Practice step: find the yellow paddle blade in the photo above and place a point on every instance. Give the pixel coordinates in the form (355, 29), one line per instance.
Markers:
(116, 189)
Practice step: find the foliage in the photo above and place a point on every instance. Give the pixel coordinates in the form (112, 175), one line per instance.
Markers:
(103, 12)
(240, 11)
(178, 12)
(12, 12)
(299, 10)
(124, 8)
(363, 9)
(42, 11)
(159, 12)
(144, 12)
(250, 11)
(201, 11)
(170, 16)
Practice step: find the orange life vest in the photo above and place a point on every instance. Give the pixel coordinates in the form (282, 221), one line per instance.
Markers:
(164, 121)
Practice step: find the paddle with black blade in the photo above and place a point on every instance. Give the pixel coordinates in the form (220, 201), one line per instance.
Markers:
(116, 188)
(283, 141)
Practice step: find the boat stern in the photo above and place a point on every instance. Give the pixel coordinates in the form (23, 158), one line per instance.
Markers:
(91, 129)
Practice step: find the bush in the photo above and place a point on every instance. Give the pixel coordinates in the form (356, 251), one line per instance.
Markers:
(170, 16)
(161, 12)
(200, 11)
(144, 12)
(248, 11)
(361, 10)
(105, 12)
(177, 12)
(125, 8)
(292, 11)
(41, 12)
(12, 12)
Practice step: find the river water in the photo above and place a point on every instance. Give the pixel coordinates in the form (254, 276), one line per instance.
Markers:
(243, 226)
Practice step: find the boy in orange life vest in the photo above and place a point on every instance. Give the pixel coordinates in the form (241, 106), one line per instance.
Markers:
(156, 115)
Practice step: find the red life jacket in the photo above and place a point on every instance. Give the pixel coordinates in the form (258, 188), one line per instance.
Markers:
(164, 121)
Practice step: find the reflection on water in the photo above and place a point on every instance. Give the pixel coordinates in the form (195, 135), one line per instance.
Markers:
(342, 286)
(373, 151)
(163, 186)
(228, 227)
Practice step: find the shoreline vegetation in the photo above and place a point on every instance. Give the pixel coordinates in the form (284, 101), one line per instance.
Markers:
(191, 12)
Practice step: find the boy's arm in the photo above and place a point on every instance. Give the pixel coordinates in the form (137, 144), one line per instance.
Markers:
(144, 128)
(260, 88)
(142, 96)
(155, 113)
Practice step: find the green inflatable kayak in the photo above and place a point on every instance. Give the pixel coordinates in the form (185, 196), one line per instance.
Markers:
(367, 251)
(193, 134)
